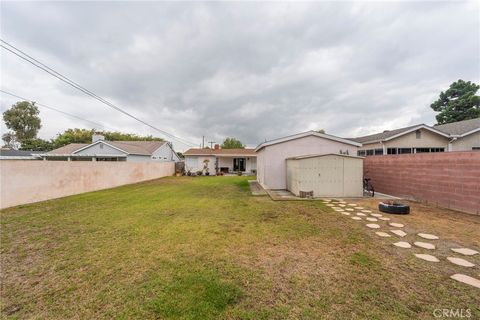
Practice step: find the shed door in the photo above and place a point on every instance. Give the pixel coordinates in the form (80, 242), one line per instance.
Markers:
(330, 181)
(353, 177)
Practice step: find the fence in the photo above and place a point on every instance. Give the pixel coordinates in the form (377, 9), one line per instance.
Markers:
(31, 181)
(450, 179)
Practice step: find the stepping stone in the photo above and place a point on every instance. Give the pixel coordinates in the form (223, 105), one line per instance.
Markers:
(372, 219)
(428, 236)
(330, 205)
(382, 234)
(359, 208)
(427, 257)
(341, 205)
(465, 251)
(338, 209)
(466, 279)
(361, 214)
(424, 245)
(378, 215)
(460, 262)
(373, 226)
(352, 204)
(349, 209)
(384, 218)
(403, 244)
(396, 225)
(326, 200)
(346, 213)
(356, 218)
(367, 211)
(399, 233)
(341, 201)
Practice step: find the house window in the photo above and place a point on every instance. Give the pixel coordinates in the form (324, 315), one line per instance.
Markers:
(404, 150)
(391, 150)
(361, 153)
(379, 152)
(239, 164)
(423, 150)
(418, 134)
(476, 148)
(370, 152)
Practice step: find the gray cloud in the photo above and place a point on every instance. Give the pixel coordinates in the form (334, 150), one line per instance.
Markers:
(251, 70)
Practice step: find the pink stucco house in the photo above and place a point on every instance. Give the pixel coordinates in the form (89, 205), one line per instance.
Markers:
(272, 155)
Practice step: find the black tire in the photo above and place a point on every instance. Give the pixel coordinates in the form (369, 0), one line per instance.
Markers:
(398, 208)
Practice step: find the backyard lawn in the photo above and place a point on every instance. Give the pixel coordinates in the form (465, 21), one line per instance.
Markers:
(204, 248)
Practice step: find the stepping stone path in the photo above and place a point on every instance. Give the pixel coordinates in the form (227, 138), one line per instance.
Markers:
(428, 236)
(382, 234)
(356, 218)
(427, 257)
(361, 214)
(396, 225)
(341, 205)
(373, 226)
(399, 233)
(378, 215)
(424, 245)
(372, 219)
(460, 262)
(349, 209)
(403, 244)
(466, 279)
(465, 251)
(384, 219)
(367, 211)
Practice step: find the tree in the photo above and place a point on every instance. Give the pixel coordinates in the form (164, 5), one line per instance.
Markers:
(321, 131)
(232, 143)
(37, 145)
(9, 139)
(459, 102)
(22, 118)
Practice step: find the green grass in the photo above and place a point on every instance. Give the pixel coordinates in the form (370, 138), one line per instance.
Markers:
(204, 248)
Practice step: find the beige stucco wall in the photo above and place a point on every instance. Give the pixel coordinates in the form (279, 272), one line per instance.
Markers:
(271, 160)
(32, 181)
(467, 143)
(428, 140)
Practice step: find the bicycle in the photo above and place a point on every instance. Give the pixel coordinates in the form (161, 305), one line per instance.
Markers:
(368, 187)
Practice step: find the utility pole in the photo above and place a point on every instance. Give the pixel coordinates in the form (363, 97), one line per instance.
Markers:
(211, 144)
(203, 142)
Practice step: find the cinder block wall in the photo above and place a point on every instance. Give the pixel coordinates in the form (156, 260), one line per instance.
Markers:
(24, 181)
(450, 179)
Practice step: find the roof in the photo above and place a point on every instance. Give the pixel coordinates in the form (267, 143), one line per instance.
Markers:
(220, 152)
(308, 156)
(306, 134)
(130, 147)
(392, 134)
(460, 128)
(18, 153)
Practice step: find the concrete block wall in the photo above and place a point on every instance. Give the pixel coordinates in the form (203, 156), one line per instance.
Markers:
(449, 179)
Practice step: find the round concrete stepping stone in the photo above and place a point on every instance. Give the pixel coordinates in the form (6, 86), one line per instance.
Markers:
(346, 213)
(373, 226)
(428, 236)
(361, 214)
(338, 209)
(382, 234)
(349, 209)
(424, 245)
(384, 218)
(378, 215)
(359, 208)
(465, 251)
(427, 257)
(342, 205)
(356, 218)
(399, 233)
(460, 262)
(466, 279)
(330, 205)
(352, 204)
(372, 219)
(403, 244)
(396, 225)
(367, 211)
(341, 201)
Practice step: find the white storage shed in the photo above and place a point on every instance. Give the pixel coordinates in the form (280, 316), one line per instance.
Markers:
(327, 175)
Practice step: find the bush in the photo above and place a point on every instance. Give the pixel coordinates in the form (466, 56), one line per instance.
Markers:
(199, 172)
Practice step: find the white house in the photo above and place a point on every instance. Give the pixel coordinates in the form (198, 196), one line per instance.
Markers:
(101, 150)
(272, 155)
(221, 160)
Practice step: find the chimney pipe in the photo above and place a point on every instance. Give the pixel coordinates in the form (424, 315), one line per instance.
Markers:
(97, 136)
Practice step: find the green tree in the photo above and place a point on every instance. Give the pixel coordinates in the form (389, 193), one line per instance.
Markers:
(321, 131)
(459, 102)
(22, 118)
(9, 140)
(232, 143)
(37, 145)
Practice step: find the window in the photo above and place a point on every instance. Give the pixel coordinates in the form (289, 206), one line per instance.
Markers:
(370, 152)
(404, 150)
(392, 151)
(379, 152)
(418, 134)
(238, 164)
(423, 150)
(361, 153)
(476, 148)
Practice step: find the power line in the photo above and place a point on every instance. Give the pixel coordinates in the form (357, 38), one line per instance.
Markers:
(97, 124)
(70, 82)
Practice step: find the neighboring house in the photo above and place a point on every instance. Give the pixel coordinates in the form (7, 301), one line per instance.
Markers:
(221, 160)
(101, 150)
(10, 154)
(272, 155)
(457, 136)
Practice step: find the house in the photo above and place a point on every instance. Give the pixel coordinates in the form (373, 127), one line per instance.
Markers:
(102, 150)
(272, 155)
(221, 160)
(457, 136)
(10, 154)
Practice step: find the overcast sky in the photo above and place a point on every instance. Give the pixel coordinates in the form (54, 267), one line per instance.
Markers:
(254, 71)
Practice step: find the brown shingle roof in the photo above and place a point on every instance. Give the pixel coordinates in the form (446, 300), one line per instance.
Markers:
(460, 127)
(226, 152)
(382, 135)
(131, 147)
